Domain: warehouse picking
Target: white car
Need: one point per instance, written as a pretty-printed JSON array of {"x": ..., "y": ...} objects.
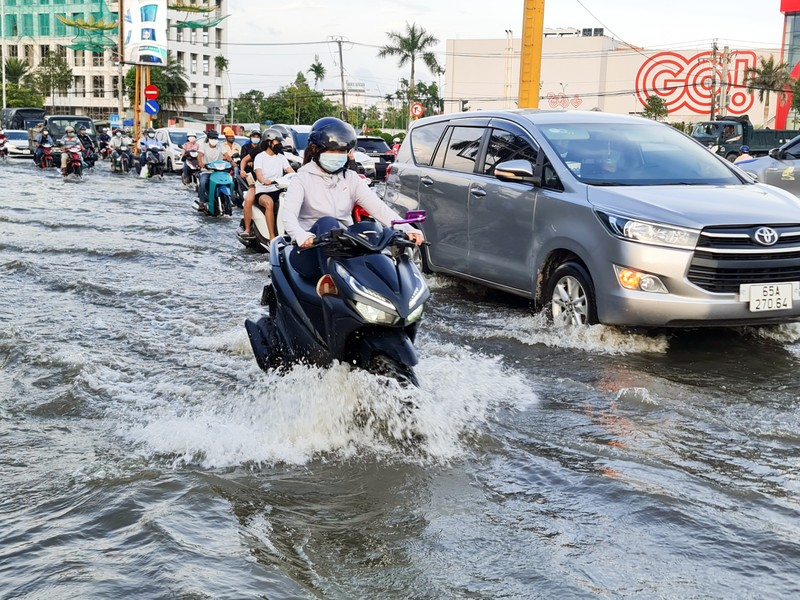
[
  {"x": 18, "y": 143},
  {"x": 175, "y": 137}
]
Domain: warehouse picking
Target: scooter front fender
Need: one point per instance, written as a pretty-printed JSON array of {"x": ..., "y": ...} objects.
[{"x": 395, "y": 343}]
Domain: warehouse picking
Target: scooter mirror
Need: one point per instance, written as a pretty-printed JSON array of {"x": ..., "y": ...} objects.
[{"x": 412, "y": 216}]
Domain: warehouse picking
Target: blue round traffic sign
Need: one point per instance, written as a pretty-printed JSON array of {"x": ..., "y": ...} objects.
[{"x": 151, "y": 107}]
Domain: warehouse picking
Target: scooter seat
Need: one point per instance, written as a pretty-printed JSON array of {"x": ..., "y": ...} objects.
[{"x": 305, "y": 288}]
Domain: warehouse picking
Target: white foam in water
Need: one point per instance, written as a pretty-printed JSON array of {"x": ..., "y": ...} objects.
[
  {"x": 786, "y": 333},
  {"x": 310, "y": 412},
  {"x": 535, "y": 329}
]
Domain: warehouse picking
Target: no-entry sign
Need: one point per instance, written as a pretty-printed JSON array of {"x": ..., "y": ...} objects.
[{"x": 150, "y": 92}]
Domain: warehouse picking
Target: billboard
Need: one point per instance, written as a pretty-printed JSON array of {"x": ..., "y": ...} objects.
[{"x": 145, "y": 32}]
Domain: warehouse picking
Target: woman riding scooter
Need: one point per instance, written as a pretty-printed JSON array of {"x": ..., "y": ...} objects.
[{"x": 322, "y": 195}]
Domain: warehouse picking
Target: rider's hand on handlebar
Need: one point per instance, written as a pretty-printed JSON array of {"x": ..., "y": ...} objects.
[
  {"x": 416, "y": 237},
  {"x": 308, "y": 243}
]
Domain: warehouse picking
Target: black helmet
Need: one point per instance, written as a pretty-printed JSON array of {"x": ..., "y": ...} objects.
[
  {"x": 82, "y": 128},
  {"x": 330, "y": 133},
  {"x": 255, "y": 132},
  {"x": 212, "y": 134},
  {"x": 272, "y": 134},
  {"x": 150, "y": 130}
]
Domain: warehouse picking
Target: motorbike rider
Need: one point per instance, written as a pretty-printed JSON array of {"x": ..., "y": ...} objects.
[
  {"x": 191, "y": 144},
  {"x": 250, "y": 150},
  {"x": 44, "y": 137},
  {"x": 209, "y": 152},
  {"x": 269, "y": 164},
  {"x": 149, "y": 142},
  {"x": 396, "y": 145},
  {"x": 322, "y": 195},
  {"x": 744, "y": 154},
  {"x": 88, "y": 145},
  {"x": 230, "y": 146},
  {"x": 119, "y": 140},
  {"x": 68, "y": 141}
]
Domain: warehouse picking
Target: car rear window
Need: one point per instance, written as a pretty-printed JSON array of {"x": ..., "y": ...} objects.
[
  {"x": 424, "y": 140},
  {"x": 373, "y": 145}
]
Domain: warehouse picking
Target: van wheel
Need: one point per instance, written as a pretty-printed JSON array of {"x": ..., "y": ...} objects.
[{"x": 569, "y": 299}]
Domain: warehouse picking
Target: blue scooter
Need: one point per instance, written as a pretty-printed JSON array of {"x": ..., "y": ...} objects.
[
  {"x": 220, "y": 190},
  {"x": 365, "y": 311}
]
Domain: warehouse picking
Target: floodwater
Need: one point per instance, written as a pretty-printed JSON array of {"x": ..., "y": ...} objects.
[{"x": 144, "y": 455}]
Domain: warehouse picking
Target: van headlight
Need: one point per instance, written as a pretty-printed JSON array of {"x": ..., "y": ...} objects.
[{"x": 649, "y": 233}]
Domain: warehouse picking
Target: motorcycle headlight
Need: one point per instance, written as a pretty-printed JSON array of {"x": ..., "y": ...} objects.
[
  {"x": 649, "y": 233},
  {"x": 415, "y": 314},
  {"x": 375, "y": 315}
]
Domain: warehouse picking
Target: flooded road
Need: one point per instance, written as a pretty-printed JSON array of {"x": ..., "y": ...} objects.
[{"x": 143, "y": 454}]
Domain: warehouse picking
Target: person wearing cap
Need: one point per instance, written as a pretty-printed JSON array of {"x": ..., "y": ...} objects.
[
  {"x": 191, "y": 144},
  {"x": 44, "y": 137},
  {"x": 322, "y": 195},
  {"x": 250, "y": 150},
  {"x": 68, "y": 141},
  {"x": 744, "y": 154},
  {"x": 149, "y": 142},
  {"x": 230, "y": 146},
  {"x": 209, "y": 152}
]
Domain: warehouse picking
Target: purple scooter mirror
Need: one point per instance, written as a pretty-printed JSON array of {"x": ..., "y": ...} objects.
[{"x": 412, "y": 216}]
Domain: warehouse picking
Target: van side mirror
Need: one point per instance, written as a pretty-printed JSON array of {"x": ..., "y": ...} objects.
[
  {"x": 519, "y": 171},
  {"x": 776, "y": 153}
]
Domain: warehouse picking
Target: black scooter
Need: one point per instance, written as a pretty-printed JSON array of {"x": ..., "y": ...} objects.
[{"x": 365, "y": 311}]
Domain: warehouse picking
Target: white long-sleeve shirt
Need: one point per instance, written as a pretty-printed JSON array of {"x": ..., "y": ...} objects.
[{"x": 315, "y": 193}]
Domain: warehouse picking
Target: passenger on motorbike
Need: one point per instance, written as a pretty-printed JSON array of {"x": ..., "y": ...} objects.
[
  {"x": 69, "y": 140},
  {"x": 269, "y": 165},
  {"x": 250, "y": 150},
  {"x": 43, "y": 138},
  {"x": 149, "y": 142},
  {"x": 88, "y": 145},
  {"x": 322, "y": 195},
  {"x": 209, "y": 152},
  {"x": 189, "y": 145},
  {"x": 119, "y": 140}
]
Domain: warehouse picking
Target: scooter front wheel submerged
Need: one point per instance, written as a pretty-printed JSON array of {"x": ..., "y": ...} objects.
[{"x": 386, "y": 366}]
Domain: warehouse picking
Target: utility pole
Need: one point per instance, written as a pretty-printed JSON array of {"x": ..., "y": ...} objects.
[
  {"x": 121, "y": 59},
  {"x": 530, "y": 69},
  {"x": 723, "y": 84},
  {"x": 3, "y": 58},
  {"x": 713, "y": 79},
  {"x": 341, "y": 75}
]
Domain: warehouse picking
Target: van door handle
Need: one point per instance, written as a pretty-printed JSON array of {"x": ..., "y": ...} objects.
[
  {"x": 426, "y": 180},
  {"x": 478, "y": 192}
]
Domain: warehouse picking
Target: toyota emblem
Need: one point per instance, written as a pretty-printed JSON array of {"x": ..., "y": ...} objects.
[{"x": 766, "y": 236}]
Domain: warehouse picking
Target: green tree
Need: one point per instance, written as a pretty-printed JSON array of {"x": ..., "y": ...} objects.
[
  {"x": 16, "y": 69},
  {"x": 414, "y": 45},
  {"x": 298, "y": 103},
  {"x": 317, "y": 70},
  {"x": 655, "y": 108},
  {"x": 428, "y": 95},
  {"x": 171, "y": 82},
  {"x": 18, "y": 96},
  {"x": 767, "y": 77},
  {"x": 222, "y": 65},
  {"x": 53, "y": 73},
  {"x": 249, "y": 107}
]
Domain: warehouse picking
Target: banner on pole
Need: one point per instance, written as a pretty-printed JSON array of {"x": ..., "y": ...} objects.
[{"x": 145, "y": 32}]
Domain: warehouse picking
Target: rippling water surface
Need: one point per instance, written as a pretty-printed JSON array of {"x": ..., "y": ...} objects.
[{"x": 144, "y": 455}]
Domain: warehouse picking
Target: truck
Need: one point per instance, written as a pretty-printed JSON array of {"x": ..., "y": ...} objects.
[
  {"x": 22, "y": 117},
  {"x": 727, "y": 134}
]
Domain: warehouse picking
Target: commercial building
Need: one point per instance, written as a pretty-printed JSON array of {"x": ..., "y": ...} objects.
[
  {"x": 32, "y": 29},
  {"x": 583, "y": 69}
]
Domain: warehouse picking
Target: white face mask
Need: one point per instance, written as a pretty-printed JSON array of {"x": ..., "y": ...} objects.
[
  {"x": 151, "y": 135},
  {"x": 212, "y": 143},
  {"x": 192, "y": 139},
  {"x": 118, "y": 134}
]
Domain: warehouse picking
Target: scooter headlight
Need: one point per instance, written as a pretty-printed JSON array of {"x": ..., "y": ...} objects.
[
  {"x": 360, "y": 290},
  {"x": 415, "y": 314},
  {"x": 375, "y": 315}
]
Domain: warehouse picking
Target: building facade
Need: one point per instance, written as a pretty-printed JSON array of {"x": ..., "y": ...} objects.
[
  {"x": 583, "y": 69},
  {"x": 31, "y": 30}
]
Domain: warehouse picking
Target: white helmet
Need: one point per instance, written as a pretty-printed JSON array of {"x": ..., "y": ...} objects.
[
  {"x": 191, "y": 134},
  {"x": 396, "y": 140}
]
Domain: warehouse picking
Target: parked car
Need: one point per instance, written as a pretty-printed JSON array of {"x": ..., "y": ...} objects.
[
  {"x": 175, "y": 137},
  {"x": 377, "y": 149},
  {"x": 600, "y": 218},
  {"x": 780, "y": 168},
  {"x": 18, "y": 143}
]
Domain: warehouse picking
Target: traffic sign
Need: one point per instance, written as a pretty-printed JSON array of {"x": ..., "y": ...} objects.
[
  {"x": 417, "y": 109},
  {"x": 114, "y": 121},
  {"x": 151, "y": 107},
  {"x": 150, "y": 92}
]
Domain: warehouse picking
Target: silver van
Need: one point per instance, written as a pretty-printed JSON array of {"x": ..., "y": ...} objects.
[{"x": 600, "y": 218}]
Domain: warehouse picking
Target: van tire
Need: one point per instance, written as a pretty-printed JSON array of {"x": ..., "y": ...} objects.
[{"x": 575, "y": 298}]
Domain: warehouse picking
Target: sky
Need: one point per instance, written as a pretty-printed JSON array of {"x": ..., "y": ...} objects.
[{"x": 652, "y": 24}]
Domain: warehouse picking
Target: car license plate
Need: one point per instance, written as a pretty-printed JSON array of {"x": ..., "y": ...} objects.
[{"x": 768, "y": 296}]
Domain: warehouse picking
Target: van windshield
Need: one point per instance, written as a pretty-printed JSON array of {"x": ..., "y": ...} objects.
[
  {"x": 636, "y": 154},
  {"x": 57, "y": 125}
]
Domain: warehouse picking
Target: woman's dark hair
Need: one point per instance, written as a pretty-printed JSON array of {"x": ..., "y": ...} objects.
[
  {"x": 311, "y": 153},
  {"x": 265, "y": 142}
]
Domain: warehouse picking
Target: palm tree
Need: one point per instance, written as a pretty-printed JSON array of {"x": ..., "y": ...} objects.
[
  {"x": 765, "y": 78},
  {"x": 414, "y": 45},
  {"x": 221, "y": 64},
  {"x": 317, "y": 70},
  {"x": 16, "y": 69}
]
